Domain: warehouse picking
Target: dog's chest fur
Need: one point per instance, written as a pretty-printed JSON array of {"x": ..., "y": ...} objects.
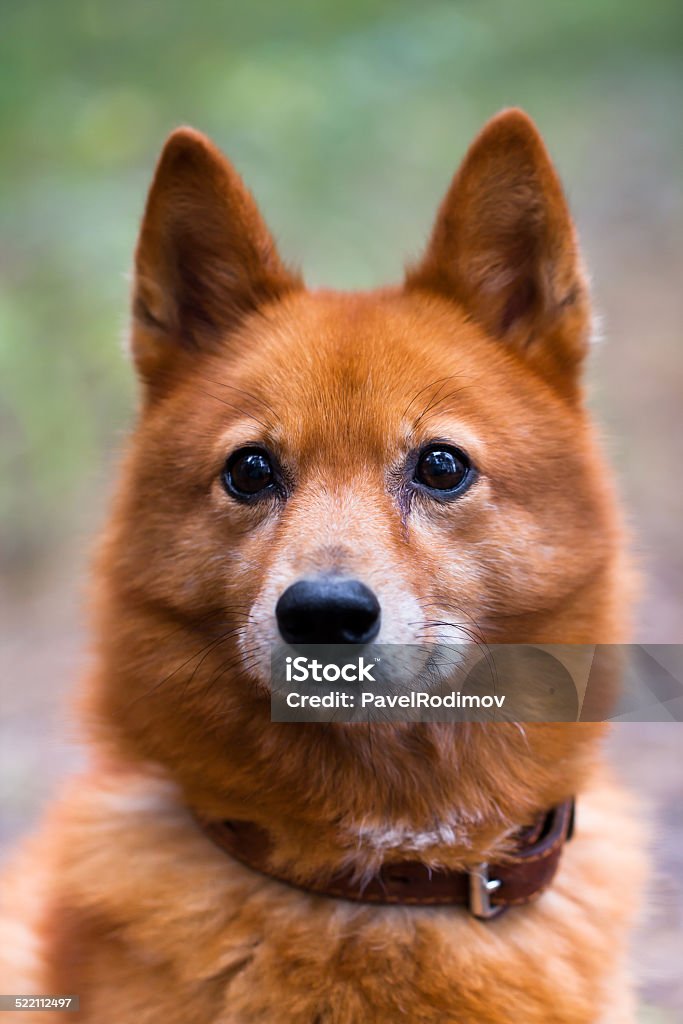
[{"x": 163, "y": 920}]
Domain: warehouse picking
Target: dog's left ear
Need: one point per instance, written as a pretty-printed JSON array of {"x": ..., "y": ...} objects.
[{"x": 504, "y": 247}]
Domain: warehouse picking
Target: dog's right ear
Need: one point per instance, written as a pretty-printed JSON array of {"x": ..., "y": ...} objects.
[{"x": 204, "y": 258}]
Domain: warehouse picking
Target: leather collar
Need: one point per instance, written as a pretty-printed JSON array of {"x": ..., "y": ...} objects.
[{"x": 486, "y": 890}]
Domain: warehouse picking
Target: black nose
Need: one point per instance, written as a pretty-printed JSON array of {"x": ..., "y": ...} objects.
[{"x": 328, "y": 610}]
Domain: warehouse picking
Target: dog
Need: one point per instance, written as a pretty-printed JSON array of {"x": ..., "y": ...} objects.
[{"x": 413, "y": 463}]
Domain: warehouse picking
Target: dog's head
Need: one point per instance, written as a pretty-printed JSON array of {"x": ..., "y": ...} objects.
[{"x": 405, "y": 465}]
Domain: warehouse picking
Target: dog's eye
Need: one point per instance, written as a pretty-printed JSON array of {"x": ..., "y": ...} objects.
[
  {"x": 248, "y": 472},
  {"x": 444, "y": 469}
]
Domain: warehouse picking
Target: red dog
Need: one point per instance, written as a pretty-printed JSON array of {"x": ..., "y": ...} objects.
[{"x": 412, "y": 463}]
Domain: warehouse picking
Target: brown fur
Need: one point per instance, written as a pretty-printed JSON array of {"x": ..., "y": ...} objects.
[{"x": 482, "y": 345}]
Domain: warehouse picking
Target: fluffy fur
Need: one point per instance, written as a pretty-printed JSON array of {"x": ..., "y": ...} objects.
[{"x": 120, "y": 897}]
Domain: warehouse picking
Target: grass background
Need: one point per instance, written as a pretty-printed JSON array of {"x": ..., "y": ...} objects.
[{"x": 347, "y": 120}]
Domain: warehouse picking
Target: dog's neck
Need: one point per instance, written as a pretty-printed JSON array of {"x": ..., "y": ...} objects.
[{"x": 434, "y": 793}]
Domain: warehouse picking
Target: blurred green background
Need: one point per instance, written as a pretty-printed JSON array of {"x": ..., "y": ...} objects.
[{"x": 347, "y": 120}]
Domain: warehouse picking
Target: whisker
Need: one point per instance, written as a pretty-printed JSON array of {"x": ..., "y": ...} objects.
[
  {"x": 235, "y": 407},
  {"x": 215, "y": 642},
  {"x": 435, "y": 403},
  {"x": 426, "y": 388},
  {"x": 247, "y": 394}
]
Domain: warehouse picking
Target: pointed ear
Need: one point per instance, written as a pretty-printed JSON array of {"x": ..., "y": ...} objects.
[
  {"x": 204, "y": 256},
  {"x": 505, "y": 248}
]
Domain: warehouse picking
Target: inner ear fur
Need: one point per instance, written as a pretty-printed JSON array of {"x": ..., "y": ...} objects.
[
  {"x": 204, "y": 257},
  {"x": 505, "y": 248}
]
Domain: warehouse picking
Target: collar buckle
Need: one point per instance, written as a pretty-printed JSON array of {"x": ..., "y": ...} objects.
[{"x": 482, "y": 888}]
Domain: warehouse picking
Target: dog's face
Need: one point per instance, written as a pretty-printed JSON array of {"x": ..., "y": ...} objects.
[
  {"x": 363, "y": 468},
  {"x": 406, "y": 465}
]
